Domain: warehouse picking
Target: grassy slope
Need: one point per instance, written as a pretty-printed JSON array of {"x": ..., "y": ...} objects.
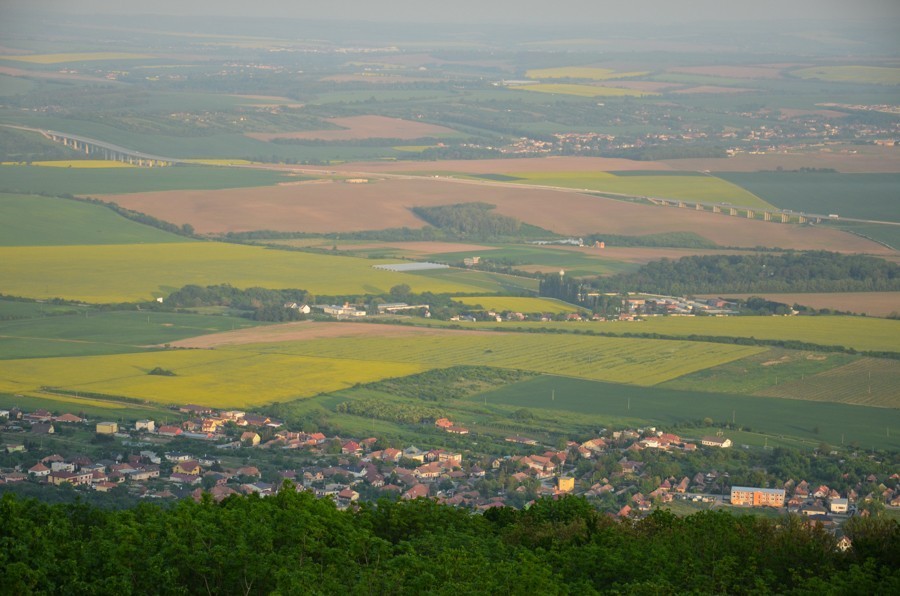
[{"x": 45, "y": 221}]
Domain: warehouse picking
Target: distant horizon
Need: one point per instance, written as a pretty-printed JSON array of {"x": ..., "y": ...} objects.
[{"x": 484, "y": 12}]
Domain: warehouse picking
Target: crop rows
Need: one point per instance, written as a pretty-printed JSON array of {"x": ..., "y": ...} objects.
[{"x": 867, "y": 382}]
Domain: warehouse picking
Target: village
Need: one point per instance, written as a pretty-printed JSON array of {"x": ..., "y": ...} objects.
[{"x": 222, "y": 453}]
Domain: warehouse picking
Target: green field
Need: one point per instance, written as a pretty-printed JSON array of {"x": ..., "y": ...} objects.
[
  {"x": 523, "y": 305},
  {"x": 523, "y": 256},
  {"x": 760, "y": 372},
  {"x": 582, "y": 90},
  {"x": 816, "y": 422},
  {"x": 867, "y": 382},
  {"x": 96, "y": 409},
  {"x": 44, "y": 221},
  {"x": 41, "y": 334},
  {"x": 889, "y": 235},
  {"x": 707, "y": 189},
  {"x": 861, "y": 196},
  {"x": 878, "y": 75},
  {"x": 95, "y": 181},
  {"x": 139, "y": 272},
  {"x": 477, "y": 282}
]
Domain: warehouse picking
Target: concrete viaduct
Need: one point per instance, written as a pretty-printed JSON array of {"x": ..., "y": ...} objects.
[{"x": 108, "y": 150}]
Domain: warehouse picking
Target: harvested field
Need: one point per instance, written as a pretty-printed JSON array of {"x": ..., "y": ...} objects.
[
  {"x": 862, "y": 160},
  {"x": 874, "y": 304},
  {"x": 385, "y": 204},
  {"x": 363, "y": 127},
  {"x": 307, "y": 331},
  {"x": 735, "y": 72}
]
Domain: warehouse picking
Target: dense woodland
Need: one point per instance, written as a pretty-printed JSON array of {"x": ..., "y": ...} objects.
[
  {"x": 295, "y": 543},
  {"x": 817, "y": 271}
]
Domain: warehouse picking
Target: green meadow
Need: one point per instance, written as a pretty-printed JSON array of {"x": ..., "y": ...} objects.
[
  {"x": 861, "y": 196},
  {"x": 813, "y": 421},
  {"x": 98, "y": 181},
  {"x": 33, "y": 220},
  {"x": 90, "y": 332}
]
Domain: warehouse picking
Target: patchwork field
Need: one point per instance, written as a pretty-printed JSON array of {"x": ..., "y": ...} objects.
[
  {"x": 815, "y": 422},
  {"x": 324, "y": 208},
  {"x": 364, "y": 127},
  {"x": 867, "y": 382},
  {"x": 708, "y": 189},
  {"x": 732, "y": 71},
  {"x": 34, "y": 220},
  {"x": 638, "y": 362},
  {"x": 119, "y": 273}
]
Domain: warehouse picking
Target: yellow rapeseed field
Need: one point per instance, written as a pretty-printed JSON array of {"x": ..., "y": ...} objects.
[
  {"x": 619, "y": 360},
  {"x": 120, "y": 273},
  {"x": 219, "y": 378}
]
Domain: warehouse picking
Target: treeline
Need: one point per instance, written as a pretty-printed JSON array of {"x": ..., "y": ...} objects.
[
  {"x": 668, "y": 239},
  {"x": 293, "y": 543},
  {"x": 469, "y": 220},
  {"x": 816, "y": 271},
  {"x": 261, "y": 303}
]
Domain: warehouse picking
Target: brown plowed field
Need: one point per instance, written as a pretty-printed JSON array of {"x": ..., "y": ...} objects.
[
  {"x": 875, "y": 304},
  {"x": 362, "y": 127},
  {"x": 385, "y": 204},
  {"x": 309, "y": 330},
  {"x": 866, "y": 160}
]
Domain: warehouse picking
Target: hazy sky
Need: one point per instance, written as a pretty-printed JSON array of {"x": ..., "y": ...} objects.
[{"x": 487, "y": 11}]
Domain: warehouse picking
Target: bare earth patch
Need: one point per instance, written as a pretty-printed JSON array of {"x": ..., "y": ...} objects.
[
  {"x": 386, "y": 204},
  {"x": 308, "y": 330},
  {"x": 788, "y": 113},
  {"x": 362, "y": 127},
  {"x": 856, "y": 160},
  {"x": 874, "y": 304}
]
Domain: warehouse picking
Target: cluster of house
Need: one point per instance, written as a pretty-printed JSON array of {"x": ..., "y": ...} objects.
[{"x": 347, "y": 469}]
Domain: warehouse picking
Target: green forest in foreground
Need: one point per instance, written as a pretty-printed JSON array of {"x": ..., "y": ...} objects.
[{"x": 293, "y": 543}]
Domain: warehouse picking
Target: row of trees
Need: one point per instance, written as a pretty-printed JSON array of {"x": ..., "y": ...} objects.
[
  {"x": 815, "y": 271},
  {"x": 295, "y": 543}
]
